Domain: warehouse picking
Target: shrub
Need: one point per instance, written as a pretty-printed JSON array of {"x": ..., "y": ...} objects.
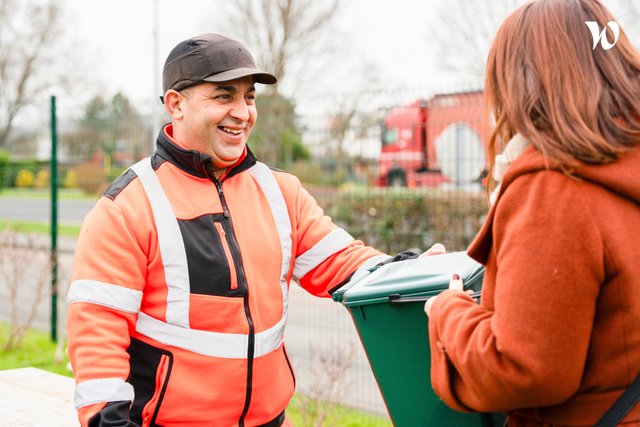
[
  {"x": 91, "y": 178},
  {"x": 312, "y": 173},
  {"x": 114, "y": 173},
  {"x": 41, "y": 179},
  {"x": 24, "y": 179},
  {"x": 16, "y": 166},
  {"x": 19, "y": 253},
  {"x": 394, "y": 220},
  {"x": 70, "y": 179}
]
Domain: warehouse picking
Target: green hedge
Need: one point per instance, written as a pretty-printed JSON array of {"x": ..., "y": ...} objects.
[
  {"x": 5, "y": 160},
  {"x": 394, "y": 220},
  {"x": 9, "y": 170}
]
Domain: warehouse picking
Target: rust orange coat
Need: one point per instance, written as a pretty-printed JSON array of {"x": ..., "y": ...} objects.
[{"x": 556, "y": 338}]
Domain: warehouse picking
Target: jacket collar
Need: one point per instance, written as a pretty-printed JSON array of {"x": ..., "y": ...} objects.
[{"x": 193, "y": 162}]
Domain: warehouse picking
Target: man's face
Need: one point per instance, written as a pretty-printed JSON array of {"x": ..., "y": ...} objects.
[{"x": 218, "y": 118}]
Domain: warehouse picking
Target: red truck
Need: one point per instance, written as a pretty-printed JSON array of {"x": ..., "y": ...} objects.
[{"x": 436, "y": 142}]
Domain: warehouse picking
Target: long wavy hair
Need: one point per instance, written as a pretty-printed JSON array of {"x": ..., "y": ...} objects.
[{"x": 545, "y": 81}]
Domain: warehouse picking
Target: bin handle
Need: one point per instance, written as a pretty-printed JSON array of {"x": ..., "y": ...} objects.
[{"x": 400, "y": 299}]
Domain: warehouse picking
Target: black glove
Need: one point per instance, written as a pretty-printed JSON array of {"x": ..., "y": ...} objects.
[{"x": 115, "y": 414}]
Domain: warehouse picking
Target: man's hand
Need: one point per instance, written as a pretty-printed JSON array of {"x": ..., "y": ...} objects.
[{"x": 436, "y": 249}]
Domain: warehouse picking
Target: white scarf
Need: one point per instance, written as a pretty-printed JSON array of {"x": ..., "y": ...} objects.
[{"x": 512, "y": 150}]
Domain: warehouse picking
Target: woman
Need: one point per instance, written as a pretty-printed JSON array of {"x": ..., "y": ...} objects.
[{"x": 556, "y": 338}]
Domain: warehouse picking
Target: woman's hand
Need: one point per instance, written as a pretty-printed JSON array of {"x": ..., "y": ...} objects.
[{"x": 454, "y": 283}]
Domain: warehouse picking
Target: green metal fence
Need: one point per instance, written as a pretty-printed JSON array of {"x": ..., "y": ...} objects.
[{"x": 335, "y": 153}]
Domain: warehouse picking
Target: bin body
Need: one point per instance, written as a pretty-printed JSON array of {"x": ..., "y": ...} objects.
[{"x": 395, "y": 335}]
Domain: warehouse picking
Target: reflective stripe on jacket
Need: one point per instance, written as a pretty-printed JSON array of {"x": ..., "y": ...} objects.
[{"x": 179, "y": 295}]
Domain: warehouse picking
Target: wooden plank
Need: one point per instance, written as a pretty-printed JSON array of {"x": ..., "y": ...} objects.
[{"x": 31, "y": 397}]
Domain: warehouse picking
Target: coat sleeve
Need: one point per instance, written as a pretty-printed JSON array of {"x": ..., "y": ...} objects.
[
  {"x": 327, "y": 257},
  {"x": 530, "y": 348},
  {"x": 104, "y": 299}
]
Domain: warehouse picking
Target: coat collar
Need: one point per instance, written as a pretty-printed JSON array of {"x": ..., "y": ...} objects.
[
  {"x": 619, "y": 177},
  {"x": 521, "y": 163},
  {"x": 193, "y": 162}
]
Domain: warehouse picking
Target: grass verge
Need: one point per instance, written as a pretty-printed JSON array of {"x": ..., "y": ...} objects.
[
  {"x": 338, "y": 415},
  {"x": 36, "y": 351},
  {"x": 45, "y": 193},
  {"x": 39, "y": 228}
]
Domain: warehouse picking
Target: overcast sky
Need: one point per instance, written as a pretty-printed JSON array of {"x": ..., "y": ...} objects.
[
  {"x": 116, "y": 42},
  {"x": 118, "y": 35}
]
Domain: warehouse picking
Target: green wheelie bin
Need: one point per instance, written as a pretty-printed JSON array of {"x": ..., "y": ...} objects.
[{"x": 387, "y": 307}]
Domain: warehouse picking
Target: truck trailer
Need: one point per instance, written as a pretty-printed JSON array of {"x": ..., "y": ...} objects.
[{"x": 439, "y": 142}]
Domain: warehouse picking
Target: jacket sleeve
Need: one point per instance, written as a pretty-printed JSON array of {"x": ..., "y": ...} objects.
[
  {"x": 104, "y": 299},
  {"x": 327, "y": 257},
  {"x": 528, "y": 346}
]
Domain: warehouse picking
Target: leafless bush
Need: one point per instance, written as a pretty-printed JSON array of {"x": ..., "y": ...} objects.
[
  {"x": 329, "y": 384},
  {"x": 24, "y": 275}
]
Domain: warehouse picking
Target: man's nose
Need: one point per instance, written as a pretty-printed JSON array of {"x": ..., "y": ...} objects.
[{"x": 240, "y": 111}]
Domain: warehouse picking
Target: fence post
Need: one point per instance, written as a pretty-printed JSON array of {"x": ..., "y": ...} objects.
[{"x": 54, "y": 221}]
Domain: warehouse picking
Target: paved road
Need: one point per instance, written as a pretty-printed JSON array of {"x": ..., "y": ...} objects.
[
  {"x": 319, "y": 336},
  {"x": 70, "y": 212}
]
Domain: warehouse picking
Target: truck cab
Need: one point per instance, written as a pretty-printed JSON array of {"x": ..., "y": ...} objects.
[
  {"x": 436, "y": 143},
  {"x": 403, "y": 144}
]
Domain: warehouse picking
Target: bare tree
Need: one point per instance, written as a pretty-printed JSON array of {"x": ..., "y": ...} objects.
[
  {"x": 286, "y": 36},
  {"x": 628, "y": 14},
  {"x": 28, "y": 33},
  {"x": 346, "y": 110},
  {"x": 283, "y": 34},
  {"x": 463, "y": 32},
  {"x": 109, "y": 126},
  {"x": 276, "y": 137},
  {"x": 354, "y": 123}
]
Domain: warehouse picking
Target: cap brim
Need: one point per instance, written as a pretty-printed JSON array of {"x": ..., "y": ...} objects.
[{"x": 236, "y": 73}]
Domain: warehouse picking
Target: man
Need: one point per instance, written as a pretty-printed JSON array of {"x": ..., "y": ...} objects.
[{"x": 178, "y": 302}]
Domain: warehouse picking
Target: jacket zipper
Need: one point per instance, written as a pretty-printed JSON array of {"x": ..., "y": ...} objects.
[
  {"x": 151, "y": 406},
  {"x": 242, "y": 281},
  {"x": 227, "y": 252},
  {"x": 225, "y": 209}
]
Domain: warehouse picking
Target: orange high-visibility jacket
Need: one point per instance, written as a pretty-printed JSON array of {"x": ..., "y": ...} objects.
[{"x": 178, "y": 300}]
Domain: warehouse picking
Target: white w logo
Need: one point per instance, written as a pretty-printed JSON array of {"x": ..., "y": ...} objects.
[{"x": 602, "y": 36}]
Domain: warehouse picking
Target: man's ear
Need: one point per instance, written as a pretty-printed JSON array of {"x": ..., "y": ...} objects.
[{"x": 173, "y": 104}]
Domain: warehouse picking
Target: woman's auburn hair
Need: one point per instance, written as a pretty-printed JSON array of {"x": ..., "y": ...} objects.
[{"x": 545, "y": 81}]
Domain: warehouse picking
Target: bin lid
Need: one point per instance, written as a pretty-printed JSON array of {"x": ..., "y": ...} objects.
[{"x": 414, "y": 277}]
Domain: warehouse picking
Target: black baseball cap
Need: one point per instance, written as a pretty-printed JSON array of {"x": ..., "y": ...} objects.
[{"x": 210, "y": 58}]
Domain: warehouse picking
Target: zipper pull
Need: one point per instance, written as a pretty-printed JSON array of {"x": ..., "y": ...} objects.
[{"x": 225, "y": 210}]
